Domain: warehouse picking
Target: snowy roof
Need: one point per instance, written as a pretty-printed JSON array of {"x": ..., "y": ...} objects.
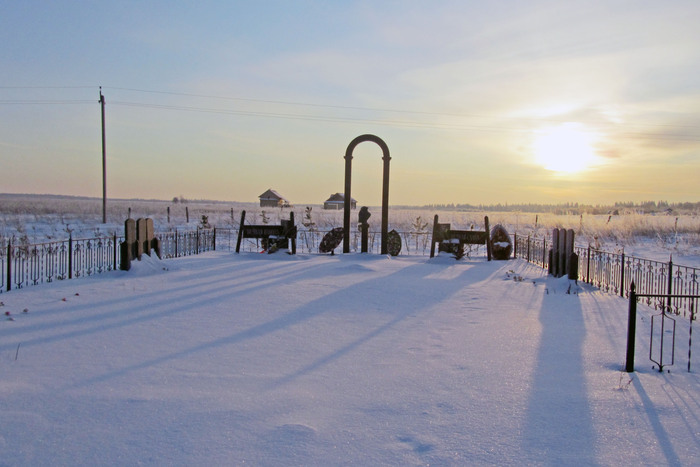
[
  {"x": 338, "y": 198},
  {"x": 272, "y": 194}
]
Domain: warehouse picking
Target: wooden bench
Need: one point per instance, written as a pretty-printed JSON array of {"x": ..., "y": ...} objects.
[
  {"x": 273, "y": 236},
  {"x": 453, "y": 241}
]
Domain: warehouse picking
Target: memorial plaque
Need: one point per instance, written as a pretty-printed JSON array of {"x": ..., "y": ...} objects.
[{"x": 471, "y": 237}]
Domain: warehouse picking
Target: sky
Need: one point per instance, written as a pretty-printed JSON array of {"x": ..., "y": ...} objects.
[{"x": 478, "y": 102}]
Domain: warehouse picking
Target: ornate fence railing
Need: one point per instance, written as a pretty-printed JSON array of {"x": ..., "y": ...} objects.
[
  {"x": 615, "y": 272},
  {"x": 24, "y": 264},
  {"x": 175, "y": 244},
  {"x": 32, "y": 264}
]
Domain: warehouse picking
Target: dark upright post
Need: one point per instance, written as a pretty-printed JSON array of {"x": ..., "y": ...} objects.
[
  {"x": 528, "y": 248},
  {"x": 348, "y": 199},
  {"x": 622, "y": 274},
  {"x": 433, "y": 238},
  {"x": 588, "y": 265},
  {"x": 573, "y": 267},
  {"x": 631, "y": 329},
  {"x": 554, "y": 254},
  {"x": 385, "y": 199},
  {"x": 104, "y": 161},
  {"x": 561, "y": 267},
  {"x": 141, "y": 241},
  {"x": 9, "y": 265},
  {"x": 364, "y": 227},
  {"x": 544, "y": 252},
  {"x": 128, "y": 245},
  {"x": 670, "y": 283},
  {"x": 488, "y": 237},
  {"x": 240, "y": 232},
  {"x": 365, "y": 238},
  {"x": 70, "y": 256},
  {"x": 569, "y": 251},
  {"x": 293, "y": 233}
]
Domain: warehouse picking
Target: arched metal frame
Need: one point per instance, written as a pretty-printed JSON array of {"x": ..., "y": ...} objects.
[{"x": 348, "y": 185}]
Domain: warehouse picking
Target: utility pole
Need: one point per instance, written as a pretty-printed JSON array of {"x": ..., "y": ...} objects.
[{"x": 104, "y": 161}]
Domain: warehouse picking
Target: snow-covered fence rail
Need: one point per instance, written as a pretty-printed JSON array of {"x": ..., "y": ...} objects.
[{"x": 615, "y": 272}]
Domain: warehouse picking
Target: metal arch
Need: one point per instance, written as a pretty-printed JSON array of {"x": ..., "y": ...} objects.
[{"x": 348, "y": 185}]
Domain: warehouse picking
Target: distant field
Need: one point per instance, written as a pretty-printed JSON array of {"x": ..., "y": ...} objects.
[{"x": 41, "y": 218}]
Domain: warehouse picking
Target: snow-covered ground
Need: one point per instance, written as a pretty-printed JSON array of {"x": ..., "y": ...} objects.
[{"x": 250, "y": 359}]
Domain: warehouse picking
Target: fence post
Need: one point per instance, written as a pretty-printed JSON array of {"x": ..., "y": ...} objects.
[
  {"x": 240, "y": 232},
  {"x": 528, "y": 248},
  {"x": 115, "y": 240},
  {"x": 670, "y": 283},
  {"x": 70, "y": 256},
  {"x": 9, "y": 265},
  {"x": 197, "y": 238},
  {"x": 690, "y": 332},
  {"x": 631, "y": 329},
  {"x": 175, "y": 244},
  {"x": 544, "y": 252},
  {"x": 588, "y": 265},
  {"x": 213, "y": 240},
  {"x": 622, "y": 275},
  {"x": 515, "y": 244}
]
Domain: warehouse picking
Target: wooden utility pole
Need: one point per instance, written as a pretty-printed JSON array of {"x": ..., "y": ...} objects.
[{"x": 104, "y": 161}]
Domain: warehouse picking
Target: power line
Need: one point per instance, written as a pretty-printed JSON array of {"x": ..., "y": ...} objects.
[
  {"x": 46, "y": 102},
  {"x": 396, "y": 123},
  {"x": 313, "y": 117},
  {"x": 292, "y": 103},
  {"x": 402, "y": 111},
  {"x": 521, "y": 124},
  {"x": 48, "y": 87}
]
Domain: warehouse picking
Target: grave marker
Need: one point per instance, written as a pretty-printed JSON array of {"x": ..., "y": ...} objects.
[{"x": 562, "y": 259}]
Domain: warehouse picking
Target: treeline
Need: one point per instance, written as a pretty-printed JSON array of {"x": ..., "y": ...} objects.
[{"x": 644, "y": 207}]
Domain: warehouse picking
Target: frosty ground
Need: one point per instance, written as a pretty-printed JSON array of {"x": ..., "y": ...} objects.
[{"x": 226, "y": 359}]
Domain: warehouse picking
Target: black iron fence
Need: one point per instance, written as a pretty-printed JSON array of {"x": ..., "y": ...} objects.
[
  {"x": 26, "y": 264},
  {"x": 175, "y": 244},
  {"x": 23, "y": 264},
  {"x": 614, "y": 273}
]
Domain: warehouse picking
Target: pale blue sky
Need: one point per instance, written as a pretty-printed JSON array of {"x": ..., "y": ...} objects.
[{"x": 223, "y": 100}]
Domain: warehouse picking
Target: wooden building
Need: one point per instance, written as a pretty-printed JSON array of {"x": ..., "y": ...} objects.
[
  {"x": 272, "y": 199},
  {"x": 337, "y": 201}
]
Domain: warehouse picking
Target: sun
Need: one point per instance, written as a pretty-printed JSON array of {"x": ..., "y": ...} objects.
[{"x": 564, "y": 149}]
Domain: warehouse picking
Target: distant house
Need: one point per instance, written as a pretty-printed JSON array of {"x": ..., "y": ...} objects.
[
  {"x": 272, "y": 199},
  {"x": 337, "y": 201}
]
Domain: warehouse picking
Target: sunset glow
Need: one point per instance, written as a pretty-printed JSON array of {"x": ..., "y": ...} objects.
[
  {"x": 564, "y": 149},
  {"x": 478, "y": 102}
]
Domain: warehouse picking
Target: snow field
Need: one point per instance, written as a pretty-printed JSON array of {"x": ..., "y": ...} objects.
[{"x": 225, "y": 359}]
